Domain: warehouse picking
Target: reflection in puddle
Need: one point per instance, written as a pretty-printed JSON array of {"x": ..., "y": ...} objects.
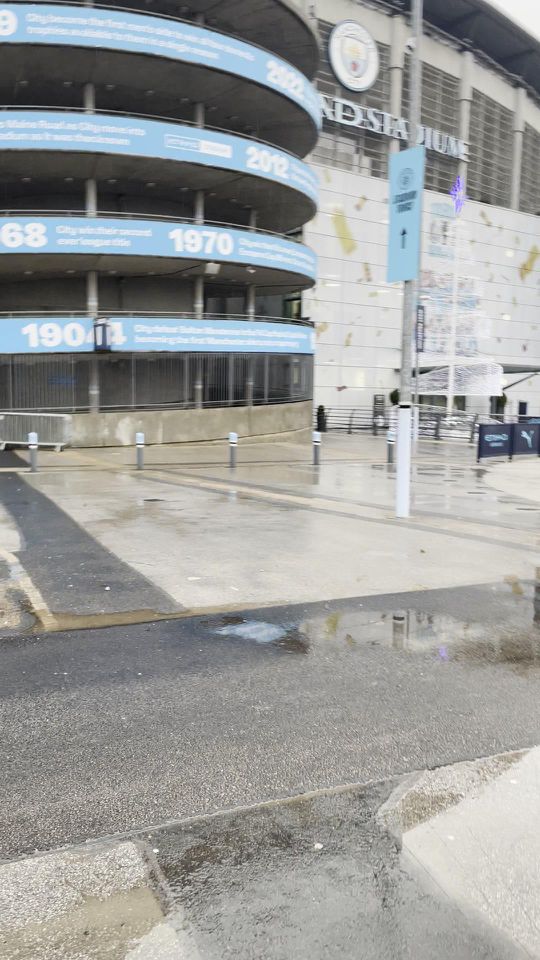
[{"x": 438, "y": 636}]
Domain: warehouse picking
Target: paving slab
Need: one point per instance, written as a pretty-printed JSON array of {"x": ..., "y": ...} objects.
[
  {"x": 96, "y": 903},
  {"x": 483, "y": 852}
]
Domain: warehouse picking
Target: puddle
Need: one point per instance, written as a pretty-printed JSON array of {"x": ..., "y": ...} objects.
[
  {"x": 407, "y": 632},
  {"x": 440, "y": 637}
]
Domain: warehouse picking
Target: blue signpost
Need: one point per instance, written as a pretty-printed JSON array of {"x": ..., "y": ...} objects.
[
  {"x": 405, "y": 221},
  {"x": 404, "y": 242}
]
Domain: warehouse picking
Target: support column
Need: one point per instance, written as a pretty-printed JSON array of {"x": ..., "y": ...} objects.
[
  {"x": 250, "y": 300},
  {"x": 517, "y": 152},
  {"x": 397, "y": 60},
  {"x": 198, "y": 297},
  {"x": 199, "y": 115},
  {"x": 92, "y": 311},
  {"x": 92, "y": 306},
  {"x": 465, "y": 100},
  {"x": 198, "y": 210},
  {"x": 91, "y": 198},
  {"x": 199, "y": 120},
  {"x": 89, "y": 104},
  {"x": 89, "y": 98}
]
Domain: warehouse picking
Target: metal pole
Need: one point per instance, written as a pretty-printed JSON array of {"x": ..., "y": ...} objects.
[
  {"x": 453, "y": 328},
  {"x": 33, "y": 448},
  {"x": 416, "y": 365},
  {"x": 403, "y": 473},
  {"x": 233, "y": 447},
  {"x": 316, "y": 448},
  {"x": 139, "y": 441}
]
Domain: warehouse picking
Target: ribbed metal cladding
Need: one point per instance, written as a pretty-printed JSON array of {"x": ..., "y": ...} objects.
[
  {"x": 440, "y": 110},
  {"x": 489, "y": 177},
  {"x": 530, "y": 172}
]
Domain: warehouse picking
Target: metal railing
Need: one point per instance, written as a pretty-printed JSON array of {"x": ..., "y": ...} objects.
[
  {"x": 433, "y": 424},
  {"x": 130, "y": 381},
  {"x": 53, "y": 429}
]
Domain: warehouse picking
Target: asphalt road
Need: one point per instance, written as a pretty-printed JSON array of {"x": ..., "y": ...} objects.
[
  {"x": 112, "y": 729},
  {"x": 70, "y": 566}
]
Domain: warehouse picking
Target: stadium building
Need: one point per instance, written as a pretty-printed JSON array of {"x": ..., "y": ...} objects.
[
  {"x": 480, "y": 273},
  {"x": 153, "y": 192}
]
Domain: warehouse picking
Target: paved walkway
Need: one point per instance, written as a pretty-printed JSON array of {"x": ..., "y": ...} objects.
[
  {"x": 349, "y": 679},
  {"x": 188, "y": 534}
]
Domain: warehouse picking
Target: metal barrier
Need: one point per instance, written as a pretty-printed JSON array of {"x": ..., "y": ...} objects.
[
  {"x": 433, "y": 423},
  {"x": 53, "y": 429},
  {"x": 130, "y": 381}
]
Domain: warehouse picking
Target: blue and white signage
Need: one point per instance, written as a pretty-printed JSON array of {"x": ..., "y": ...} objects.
[
  {"x": 137, "y": 33},
  {"x": 153, "y": 238},
  {"x": 405, "y": 202},
  {"x": 76, "y": 335},
  {"x": 526, "y": 439},
  {"x": 128, "y": 136},
  {"x": 494, "y": 440}
]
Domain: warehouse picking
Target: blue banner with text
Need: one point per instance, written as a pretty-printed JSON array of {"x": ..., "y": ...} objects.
[
  {"x": 134, "y": 137},
  {"x": 129, "y": 334},
  {"x": 184, "y": 42}
]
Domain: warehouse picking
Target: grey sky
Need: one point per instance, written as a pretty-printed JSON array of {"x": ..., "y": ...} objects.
[{"x": 524, "y": 12}]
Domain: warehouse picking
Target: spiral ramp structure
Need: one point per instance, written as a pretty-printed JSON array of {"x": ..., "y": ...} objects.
[{"x": 153, "y": 183}]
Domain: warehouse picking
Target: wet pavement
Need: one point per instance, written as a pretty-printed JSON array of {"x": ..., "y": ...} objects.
[
  {"x": 310, "y": 878},
  {"x": 280, "y": 635},
  {"x": 105, "y": 544},
  {"x": 313, "y": 878},
  {"x": 110, "y": 728},
  {"x": 68, "y": 563}
]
